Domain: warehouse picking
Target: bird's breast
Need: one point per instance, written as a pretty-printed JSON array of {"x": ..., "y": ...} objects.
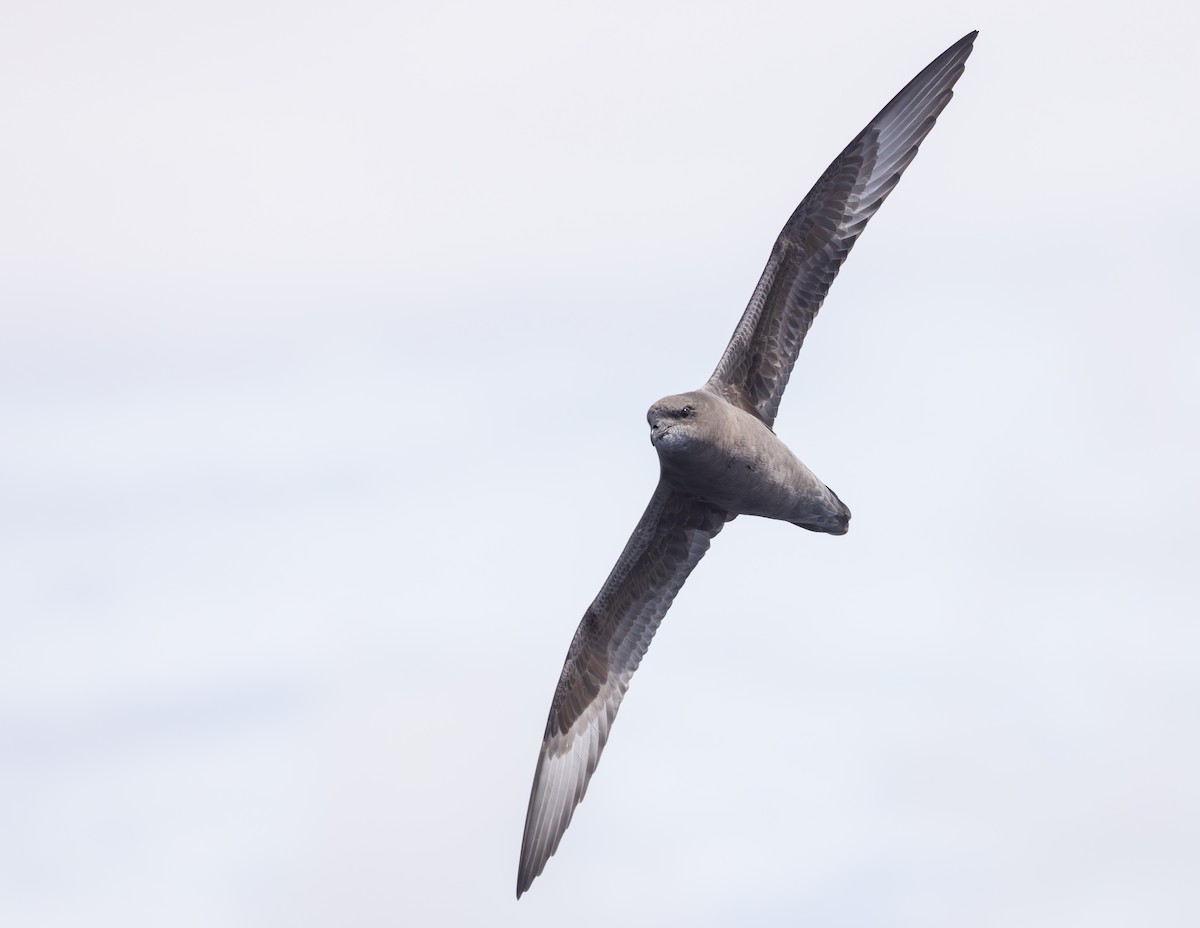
[{"x": 736, "y": 463}]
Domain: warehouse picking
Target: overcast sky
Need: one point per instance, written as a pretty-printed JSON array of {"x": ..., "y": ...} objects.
[{"x": 326, "y": 337}]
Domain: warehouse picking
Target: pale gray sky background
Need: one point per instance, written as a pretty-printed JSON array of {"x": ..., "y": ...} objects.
[{"x": 326, "y": 335}]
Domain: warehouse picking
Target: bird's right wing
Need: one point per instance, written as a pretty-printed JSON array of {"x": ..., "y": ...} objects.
[
  {"x": 756, "y": 365},
  {"x": 672, "y": 536}
]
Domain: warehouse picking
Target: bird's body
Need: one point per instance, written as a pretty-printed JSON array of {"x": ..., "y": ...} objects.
[
  {"x": 719, "y": 455},
  {"x": 724, "y": 456}
]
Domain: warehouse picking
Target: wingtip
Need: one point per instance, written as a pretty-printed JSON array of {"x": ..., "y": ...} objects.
[
  {"x": 967, "y": 42},
  {"x": 524, "y": 880}
]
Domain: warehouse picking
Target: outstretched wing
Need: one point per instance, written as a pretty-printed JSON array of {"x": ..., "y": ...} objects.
[
  {"x": 672, "y": 536},
  {"x": 756, "y": 365}
]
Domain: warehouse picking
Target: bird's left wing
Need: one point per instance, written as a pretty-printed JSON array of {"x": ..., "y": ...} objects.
[
  {"x": 757, "y": 363},
  {"x": 672, "y": 536}
]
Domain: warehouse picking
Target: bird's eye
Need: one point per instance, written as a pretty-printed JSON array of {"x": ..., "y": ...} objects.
[{"x": 685, "y": 412}]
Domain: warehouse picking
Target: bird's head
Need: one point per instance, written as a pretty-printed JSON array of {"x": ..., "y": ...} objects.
[{"x": 674, "y": 420}]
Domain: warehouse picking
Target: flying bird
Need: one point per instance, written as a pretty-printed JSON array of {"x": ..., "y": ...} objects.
[{"x": 719, "y": 456}]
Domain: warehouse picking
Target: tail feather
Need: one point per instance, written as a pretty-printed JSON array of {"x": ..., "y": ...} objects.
[{"x": 834, "y": 519}]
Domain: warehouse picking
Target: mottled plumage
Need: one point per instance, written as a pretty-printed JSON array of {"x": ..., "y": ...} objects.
[{"x": 719, "y": 457}]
